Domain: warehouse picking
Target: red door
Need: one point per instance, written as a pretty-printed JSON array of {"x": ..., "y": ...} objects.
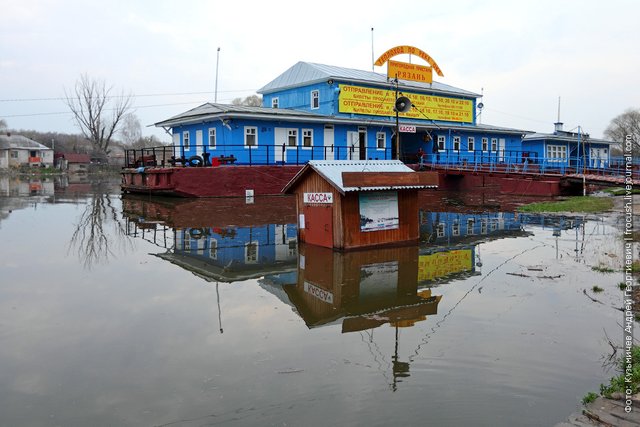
[{"x": 319, "y": 225}]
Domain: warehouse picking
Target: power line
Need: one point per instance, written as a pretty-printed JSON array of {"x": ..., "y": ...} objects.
[
  {"x": 106, "y": 109},
  {"x": 126, "y": 96}
]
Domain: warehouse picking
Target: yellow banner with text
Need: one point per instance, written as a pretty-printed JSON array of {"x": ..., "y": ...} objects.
[
  {"x": 380, "y": 102},
  {"x": 441, "y": 264}
]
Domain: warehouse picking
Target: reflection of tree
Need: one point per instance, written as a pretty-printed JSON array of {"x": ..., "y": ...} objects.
[{"x": 92, "y": 238}]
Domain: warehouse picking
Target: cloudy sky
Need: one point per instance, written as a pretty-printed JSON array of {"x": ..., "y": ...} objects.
[{"x": 522, "y": 54}]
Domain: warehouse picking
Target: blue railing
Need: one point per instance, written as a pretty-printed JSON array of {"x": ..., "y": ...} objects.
[
  {"x": 527, "y": 162},
  {"x": 203, "y": 155}
]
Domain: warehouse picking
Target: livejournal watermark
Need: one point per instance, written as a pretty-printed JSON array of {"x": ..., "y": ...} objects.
[{"x": 628, "y": 271}]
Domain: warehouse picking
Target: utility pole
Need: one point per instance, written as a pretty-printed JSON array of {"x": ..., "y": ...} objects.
[{"x": 217, "y": 62}]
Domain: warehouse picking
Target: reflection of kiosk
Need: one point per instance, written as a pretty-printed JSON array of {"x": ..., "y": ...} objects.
[
  {"x": 355, "y": 204},
  {"x": 366, "y": 288}
]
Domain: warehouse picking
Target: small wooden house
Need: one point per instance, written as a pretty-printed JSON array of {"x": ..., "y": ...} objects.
[{"x": 344, "y": 204}]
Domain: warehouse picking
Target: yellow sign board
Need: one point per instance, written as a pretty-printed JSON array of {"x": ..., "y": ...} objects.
[
  {"x": 413, "y": 72},
  {"x": 410, "y": 50},
  {"x": 441, "y": 264},
  {"x": 380, "y": 102}
]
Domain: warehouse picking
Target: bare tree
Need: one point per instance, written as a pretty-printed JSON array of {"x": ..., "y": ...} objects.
[
  {"x": 623, "y": 125},
  {"x": 249, "y": 101},
  {"x": 91, "y": 102},
  {"x": 3, "y": 124},
  {"x": 131, "y": 130}
]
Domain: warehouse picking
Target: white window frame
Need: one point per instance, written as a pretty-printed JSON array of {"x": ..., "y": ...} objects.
[
  {"x": 250, "y": 131},
  {"x": 456, "y": 143},
  {"x": 471, "y": 222},
  {"x": 485, "y": 144},
  {"x": 275, "y": 102},
  {"x": 471, "y": 144},
  {"x": 14, "y": 154},
  {"x": 441, "y": 229},
  {"x": 494, "y": 144},
  {"x": 186, "y": 143},
  {"x": 556, "y": 153},
  {"x": 254, "y": 259},
  {"x": 292, "y": 247},
  {"x": 186, "y": 240},
  {"x": 212, "y": 138},
  {"x": 483, "y": 226},
  {"x": 315, "y": 99},
  {"x": 381, "y": 141},
  {"x": 442, "y": 143},
  {"x": 292, "y": 133},
  {"x": 455, "y": 228},
  {"x": 307, "y": 134},
  {"x": 213, "y": 249}
]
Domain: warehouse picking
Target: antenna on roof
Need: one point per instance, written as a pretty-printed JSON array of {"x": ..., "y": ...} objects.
[
  {"x": 372, "y": 60},
  {"x": 558, "y": 110}
]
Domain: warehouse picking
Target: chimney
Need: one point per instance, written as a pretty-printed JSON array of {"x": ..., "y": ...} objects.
[{"x": 557, "y": 127}]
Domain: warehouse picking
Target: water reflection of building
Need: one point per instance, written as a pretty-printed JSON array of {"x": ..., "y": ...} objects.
[
  {"x": 455, "y": 227},
  {"x": 218, "y": 239},
  {"x": 365, "y": 289}
]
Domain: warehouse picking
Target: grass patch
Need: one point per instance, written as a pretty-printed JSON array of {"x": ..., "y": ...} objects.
[
  {"x": 622, "y": 286},
  {"x": 589, "y": 397},
  {"x": 603, "y": 269},
  {"x": 635, "y": 266},
  {"x": 620, "y": 191},
  {"x": 618, "y": 383},
  {"x": 572, "y": 204},
  {"x": 597, "y": 289}
]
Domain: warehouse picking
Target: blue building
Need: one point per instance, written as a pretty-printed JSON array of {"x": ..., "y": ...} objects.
[{"x": 316, "y": 111}]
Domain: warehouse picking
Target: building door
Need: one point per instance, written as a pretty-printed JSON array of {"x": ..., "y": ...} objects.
[
  {"x": 362, "y": 143},
  {"x": 328, "y": 142},
  {"x": 319, "y": 225},
  {"x": 280, "y": 140},
  {"x": 501, "y": 144}
]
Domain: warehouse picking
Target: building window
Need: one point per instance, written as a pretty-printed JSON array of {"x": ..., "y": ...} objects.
[
  {"x": 250, "y": 136},
  {"x": 470, "y": 144},
  {"x": 556, "y": 153},
  {"x": 185, "y": 140},
  {"x": 292, "y": 138},
  {"x": 441, "y": 142},
  {"x": 293, "y": 247},
  {"x": 315, "y": 99},
  {"x": 381, "y": 140},
  {"x": 251, "y": 253},
  {"x": 213, "y": 249},
  {"x": 456, "y": 143},
  {"x": 485, "y": 144},
  {"x": 212, "y": 137},
  {"x": 274, "y": 103},
  {"x": 455, "y": 228},
  {"x": 14, "y": 154},
  {"x": 440, "y": 230},
  {"x": 186, "y": 240},
  {"x": 307, "y": 138},
  {"x": 483, "y": 226},
  {"x": 471, "y": 222},
  {"x": 494, "y": 144}
]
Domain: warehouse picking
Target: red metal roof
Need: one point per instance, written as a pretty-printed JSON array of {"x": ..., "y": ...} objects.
[{"x": 77, "y": 158}]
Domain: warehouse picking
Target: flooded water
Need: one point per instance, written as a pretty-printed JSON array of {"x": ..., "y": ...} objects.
[{"x": 149, "y": 312}]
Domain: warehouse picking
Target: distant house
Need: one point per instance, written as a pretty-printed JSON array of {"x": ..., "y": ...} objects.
[
  {"x": 17, "y": 150},
  {"x": 565, "y": 149},
  {"x": 73, "y": 162}
]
